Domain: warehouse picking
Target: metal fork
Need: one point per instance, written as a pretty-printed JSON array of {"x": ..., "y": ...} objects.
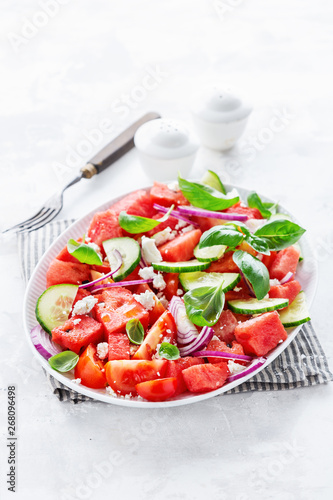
[{"x": 102, "y": 160}]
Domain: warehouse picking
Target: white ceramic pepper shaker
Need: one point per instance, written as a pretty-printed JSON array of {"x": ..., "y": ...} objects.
[
  {"x": 219, "y": 118},
  {"x": 165, "y": 147}
]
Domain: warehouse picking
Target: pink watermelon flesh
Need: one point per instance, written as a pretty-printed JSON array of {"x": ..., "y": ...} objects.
[
  {"x": 224, "y": 329},
  {"x": 261, "y": 334},
  {"x": 77, "y": 337},
  {"x": 286, "y": 261},
  {"x": 207, "y": 377},
  {"x": 119, "y": 346},
  {"x": 67, "y": 272},
  {"x": 288, "y": 291},
  {"x": 104, "y": 225},
  {"x": 137, "y": 203}
]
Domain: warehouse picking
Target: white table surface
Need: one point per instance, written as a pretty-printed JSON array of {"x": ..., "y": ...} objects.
[{"x": 58, "y": 85}]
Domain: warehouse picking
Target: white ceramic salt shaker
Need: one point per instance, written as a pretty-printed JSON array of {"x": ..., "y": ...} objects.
[
  {"x": 165, "y": 148},
  {"x": 219, "y": 118}
]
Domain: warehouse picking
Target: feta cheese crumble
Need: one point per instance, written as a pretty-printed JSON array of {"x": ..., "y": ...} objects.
[
  {"x": 150, "y": 253},
  {"x": 188, "y": 228},
  {"x": 158, "y": 282},
  {"x": 180, "y": 292},
  {"x": 84, "y": 306},
  {"x": 76, "y": 381},
  {"x": 237, "y": 289},
  {"x": 76, "y": 321},
  {"x": 146, "y": 299},
  {"x": 173, "y": 186},
  {"x": 163, "y": 236},
  {"x": 102, "y": 350},
  {"x": 235, "y": 367},
  {"x": 274, "y": 282},
  {"x": 181, "y": 223},
  {"x": 147, "y": 273}
]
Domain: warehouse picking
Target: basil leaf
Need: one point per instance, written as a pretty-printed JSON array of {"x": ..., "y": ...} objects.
[
  {"x": 64, "y": 361},
  {"x": 83, "y": 253},
  {"x": 204, "y": 304},
  {"x": 254, "y": 271},
  {"x": 254, "y": 201},
  {"x": 258, "y": 244},
  {"x": 168, "y": 351},
  {"x": 272, "y": 207},
  {"x": 135, "y": 331},
  {"x": 221, "y": 235},
  {"x": 280, "y": 234},
  {"x": 135, "y": 224},
  {"x": 203, "y": 196}
]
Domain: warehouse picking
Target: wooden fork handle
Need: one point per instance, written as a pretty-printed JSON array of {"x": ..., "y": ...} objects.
[{"x": 116, "y": 148}]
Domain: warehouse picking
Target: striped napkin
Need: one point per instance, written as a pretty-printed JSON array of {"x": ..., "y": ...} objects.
[{"x": 303, "y": 363}]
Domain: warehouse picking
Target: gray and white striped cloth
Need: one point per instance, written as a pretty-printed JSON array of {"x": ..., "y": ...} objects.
[{"x": 303, "y": 363}]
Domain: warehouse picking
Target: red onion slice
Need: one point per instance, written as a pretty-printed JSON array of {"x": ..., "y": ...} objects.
[
  {"x": 119, "y": 283},
  {"x": 219, "y": 354},
  {"x": 43, "y": 343},
  {"x": 255, "y": 365},
  {"x": 199, "y": 212},
  {"x": 186, "y": 330},
  {"x": 203, "y": 339},
  {"x": 174, "y": 213},
  {"x": 288, "y": 277},
  {"x": 119, "y": 258}
]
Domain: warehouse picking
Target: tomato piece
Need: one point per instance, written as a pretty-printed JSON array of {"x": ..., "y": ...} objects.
[
  {"x": 164, "y": 327},
  {"x": 123, "y": 375},
  {"x": 157, "y": 390},
  {"x": 90, "y": 369}
]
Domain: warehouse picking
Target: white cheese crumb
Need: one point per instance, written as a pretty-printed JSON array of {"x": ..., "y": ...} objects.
[
  {"x": 235, "y": 367},
  {"x": 188, "y": 228},
  {"x": 163, "y": 236},
  {"x": 96, "y": 248},
  {"x": 146, "y": 299},
  {"x": 215, "y": 337},
  {"x": 87, "y": 239},
  {"x": 150, "y": 253},
  {"x": 162, "y": 298},
  {"x": 274, "y": 282},
  {"x": 159, "y": 282},
  {"x": 102, "y": 350},
  {"x": 110, "y": 391},
  {"x": 168, "y": 330},
  {"x": 266, "y": 296},
  {"x": 76, "y": 381},
  {"x": 237, "y": 289},
  {"x": 179, "y": 292},
  {"x": 173, "y": 186},
  {"x": 76, "y": 321},
  {"x": 147, "y": 273},
  {"x": 181, "y": 223},
  {"x": 84, "y": 306}
]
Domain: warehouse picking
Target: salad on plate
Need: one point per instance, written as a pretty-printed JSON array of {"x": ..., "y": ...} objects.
[{"x": 182, "y": 288}]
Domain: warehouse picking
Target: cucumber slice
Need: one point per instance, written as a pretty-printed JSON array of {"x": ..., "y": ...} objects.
[
  {"x": 54, "y": 305},
  {"x": 180, "y": 267},
  {"x": 209, "y": 254},
  {"x": 130, "y": 252},
  {"x": 212, "y": 180},
  {"x": 255, "y": 306},
  {"x": 189, "y": 281},
  {"x": 297, "y": 313}
]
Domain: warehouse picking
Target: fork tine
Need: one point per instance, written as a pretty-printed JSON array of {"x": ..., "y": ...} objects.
[
  {"x": 21, "y": 224},
  {"x": 42, "y": 221}
]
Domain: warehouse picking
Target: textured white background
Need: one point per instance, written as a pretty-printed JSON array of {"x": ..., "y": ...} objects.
[{"x": 58, "y": 85}]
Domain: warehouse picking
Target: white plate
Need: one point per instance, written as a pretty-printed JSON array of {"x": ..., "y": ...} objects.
[{"x": 306, "y": 274}]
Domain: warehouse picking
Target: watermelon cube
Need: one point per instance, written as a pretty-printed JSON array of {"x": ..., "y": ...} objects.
[
  {"x": 286, "y": 261},
  {"x": 206, "y": 377},
  {"x": 161, "y": 194},
  {"x": 175, "y": 369},
  {"x": 137, "y": 203},
  {"x": 225, "y": 327},
  {"x": 119, "y": 346},
  {"x": 288, "y": 291},
  {"x": 219, "y": 345},
  {"x": 261, "y": 334},
  {"x": 76, "y": 335},
  {"x": 104, "y": 225},
  {"x": 181, "y": 248},
  {"x": 67, "y": 272},
  {"x": 252, "y": 213},
  {"x": 224, "y": 265}
]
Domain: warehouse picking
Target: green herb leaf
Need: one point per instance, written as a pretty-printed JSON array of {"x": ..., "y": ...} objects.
[
  {"x": 254, "y": 271},
  {"x": 221, "y": 235},
  {"x": 280, "y": 234},
  {"x": 254, "y": 201},
  {"x": 272, "y": 207},
  {"x": 135, "y": 224},
  {"x": 83, "y": 252},
  {"x": 203, "y": 196},
  {"x": 204, "y": 304},
  {"x": 64, "y": 361},
  {"x": 135, "y": 331},
  {"x": 258, "y": 244},
  {"x": 168, "y": 351}
]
